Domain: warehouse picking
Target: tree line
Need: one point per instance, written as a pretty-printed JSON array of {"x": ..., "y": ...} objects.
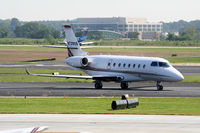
[
  {"x": 34, "y": 30},
  {"x": 190, "y": 33},
  {"x": 53, "y": 29}
]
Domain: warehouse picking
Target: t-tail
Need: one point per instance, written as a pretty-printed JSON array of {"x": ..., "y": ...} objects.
[
  {"x": 84, "y": 37},
  {"x": 73, "y": 46}
]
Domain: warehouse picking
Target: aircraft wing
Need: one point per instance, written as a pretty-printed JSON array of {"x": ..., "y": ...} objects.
[
  {"x": 97, "y": 77},
  {"x": 86, "y": 43},
  {"x": 52, "y": 46},
  {"x": 26, "y": 130},
  {"x": 59, "y": 76},
  {"x": 61, "y": 46}
]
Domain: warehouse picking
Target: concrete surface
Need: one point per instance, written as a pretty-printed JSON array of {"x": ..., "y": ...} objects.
[{"x": 103, "y": 123}]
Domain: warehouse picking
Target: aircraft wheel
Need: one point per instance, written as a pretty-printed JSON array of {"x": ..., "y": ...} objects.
[
  {"x": 124, "y": 85},
  {"x": 159, "y": 86},
  {"x": 98, "y": 85}
]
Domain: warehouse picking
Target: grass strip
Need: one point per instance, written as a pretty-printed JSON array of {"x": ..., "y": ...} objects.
[{"x": 69, "y": 105}]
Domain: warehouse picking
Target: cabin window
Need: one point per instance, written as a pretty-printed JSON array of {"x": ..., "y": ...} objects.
[
  {"x": 163, "y": 64},
  {"x": 154, "y": 63},
  {"x": 124, "y": 65},
  {"x": 139, "y": 66},
  {"x": 144, "y": 66},
  {"x": 129, "y": 65},
  {"x": 119, "y": 64},
  {"x": 114, "y": 64},
  {"x": 109, "y": 64},
  {"x": 133, "y": 65}
]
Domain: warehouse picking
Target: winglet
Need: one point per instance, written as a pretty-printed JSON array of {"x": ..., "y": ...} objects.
[{"x": 27, "y": 72}]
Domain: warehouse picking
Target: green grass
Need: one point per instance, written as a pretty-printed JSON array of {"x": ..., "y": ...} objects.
[
  {"x": 184, "y": 60},
  {"x": 122, "y": 42},
  {"x": 173, "y": 50},
  {"x": 116, "y": 42},
  {"x": 30, "y": 48},
  {"x": 19, "y": 75},
  {"x": 153, "y": 106}
]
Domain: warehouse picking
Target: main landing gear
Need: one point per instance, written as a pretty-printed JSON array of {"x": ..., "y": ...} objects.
[
  {"x": 124, "y": 85},
  {"x": 98, "y": 84},
  {"x": 159, "y": 86}
]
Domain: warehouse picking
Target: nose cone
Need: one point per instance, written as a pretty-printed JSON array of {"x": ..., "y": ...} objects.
[{"x": 177, "y": 76}]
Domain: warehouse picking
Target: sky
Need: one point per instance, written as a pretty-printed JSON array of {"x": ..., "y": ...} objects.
[{"x": 153, "y": 10}]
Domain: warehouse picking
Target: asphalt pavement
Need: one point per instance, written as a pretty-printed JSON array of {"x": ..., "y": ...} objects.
[{"x": 139, "y": 89}]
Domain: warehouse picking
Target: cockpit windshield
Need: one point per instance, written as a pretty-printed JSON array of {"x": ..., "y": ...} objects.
[
  {"x": 163, "y": 64},
  {"x": 160, "y": 64}
]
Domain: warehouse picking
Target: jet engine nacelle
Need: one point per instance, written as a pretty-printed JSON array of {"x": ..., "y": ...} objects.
[{"x": 77, "y": 61}]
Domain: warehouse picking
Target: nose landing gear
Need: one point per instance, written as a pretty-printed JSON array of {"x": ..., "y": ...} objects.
[{"x": 159, "y": 86}]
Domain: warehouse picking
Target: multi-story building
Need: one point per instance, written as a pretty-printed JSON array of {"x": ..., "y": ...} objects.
[{"x": 146, "y": 30}]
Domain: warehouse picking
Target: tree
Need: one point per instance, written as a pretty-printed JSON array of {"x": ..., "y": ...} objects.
[
  {"x": 188, "y": 34},
  {"x": 35, "y": 30},
  {"x": 133, "y": 35},
  {"x": 14, "y": 22},
  {"x": 4, "y": 32},
  {"x": 171, "y": 37}
]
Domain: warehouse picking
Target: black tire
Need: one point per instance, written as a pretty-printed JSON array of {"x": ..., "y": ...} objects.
[
  {"x": 98, "y": 85},
  {"x": 124, "y": 85},
  {"x": 159, "y": 87}
]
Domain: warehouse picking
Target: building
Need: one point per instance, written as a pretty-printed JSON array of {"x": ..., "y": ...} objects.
[{"x": 123, "y": 25}]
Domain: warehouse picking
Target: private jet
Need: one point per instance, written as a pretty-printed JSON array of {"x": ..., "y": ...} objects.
[{"x": 120, "y": 69}]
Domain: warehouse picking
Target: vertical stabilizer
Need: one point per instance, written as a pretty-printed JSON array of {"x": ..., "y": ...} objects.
[{"x": 72, "y": 43}]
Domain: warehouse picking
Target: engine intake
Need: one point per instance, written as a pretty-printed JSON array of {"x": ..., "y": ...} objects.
[{"x": 84, "y": 61}]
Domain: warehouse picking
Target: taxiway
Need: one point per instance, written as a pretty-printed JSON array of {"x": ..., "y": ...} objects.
[{"x": 79, "y": 123}]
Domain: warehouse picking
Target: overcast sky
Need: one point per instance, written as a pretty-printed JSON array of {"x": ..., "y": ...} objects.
[{"x": 153, "y": 10}]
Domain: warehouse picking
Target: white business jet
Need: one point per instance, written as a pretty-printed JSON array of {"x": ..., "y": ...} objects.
[{"x": 122, "y": 69}]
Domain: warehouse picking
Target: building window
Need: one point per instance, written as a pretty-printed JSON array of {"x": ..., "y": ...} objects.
[
  {"x": 136, "y": 26},
  {"x": 144, "y": 25}
]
